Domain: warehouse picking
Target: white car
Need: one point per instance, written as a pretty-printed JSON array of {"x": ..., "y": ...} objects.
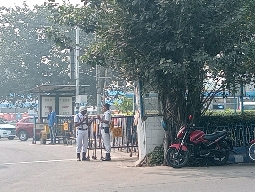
[{"x": 7, "y": 131}]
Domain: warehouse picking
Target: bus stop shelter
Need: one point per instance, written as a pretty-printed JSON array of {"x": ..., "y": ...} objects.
[{"x": 60, "y": 97}]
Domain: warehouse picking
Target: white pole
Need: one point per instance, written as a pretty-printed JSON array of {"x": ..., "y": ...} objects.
[
  {"x": 98, "y": 89},
  {"x": 77, "y": 72},
  {"x": 98, "y": 86}
]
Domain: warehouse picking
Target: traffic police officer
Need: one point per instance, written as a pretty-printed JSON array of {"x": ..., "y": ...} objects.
[
  {"x": 105, "y": 130},
  {"x": 82, "y": 123}
]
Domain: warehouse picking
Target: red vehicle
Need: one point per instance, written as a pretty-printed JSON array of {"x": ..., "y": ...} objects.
[
  {"x": 194, "y": 146},
  {"x": 24, "y": 128}
]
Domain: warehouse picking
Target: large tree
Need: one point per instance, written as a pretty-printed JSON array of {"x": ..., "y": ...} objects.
[
  {"x": 173, "y": 47},
  {"x": 26, "y": 55},
  {"x": 29, "y": 58}
]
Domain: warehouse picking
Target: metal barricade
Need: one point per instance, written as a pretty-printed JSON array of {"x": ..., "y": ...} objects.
[
  {"x": 64, "y": 130},
  {"x": 123, "y": 136}
]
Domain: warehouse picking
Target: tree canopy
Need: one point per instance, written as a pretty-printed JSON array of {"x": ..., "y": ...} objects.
[
  {"x": 26, "y": 55},
  {"x": 29, "y": 57},
  {"x": 174, "y": 47}
]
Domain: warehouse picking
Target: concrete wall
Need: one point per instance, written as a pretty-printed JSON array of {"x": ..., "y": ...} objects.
[{"x": 150, "y": 134}]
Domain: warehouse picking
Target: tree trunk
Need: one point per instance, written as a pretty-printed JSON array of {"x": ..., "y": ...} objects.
[{"x": 173, "y": 107}]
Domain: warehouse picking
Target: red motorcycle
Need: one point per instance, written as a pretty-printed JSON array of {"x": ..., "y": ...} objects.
[{"x": 194, "y": 145}]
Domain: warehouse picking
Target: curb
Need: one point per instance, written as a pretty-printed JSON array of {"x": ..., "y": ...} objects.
[{"x": 239, "y": 155}]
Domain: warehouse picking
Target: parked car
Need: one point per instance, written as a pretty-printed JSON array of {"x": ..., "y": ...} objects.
[
  {"x": 24, "y": 129},
  {"x": 7, "y": 130},
  {"x": 4, "y": 133}
]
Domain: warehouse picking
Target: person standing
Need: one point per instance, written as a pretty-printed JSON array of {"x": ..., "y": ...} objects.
[
  {"x": 82, "y": 123},
  {"x": 105, "y": 130},
  {"x": 51, "y": 123}
]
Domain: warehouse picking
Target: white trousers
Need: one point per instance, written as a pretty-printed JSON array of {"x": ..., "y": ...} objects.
[
  {"x": 81, "y": 141},
  {"x": 106, "y": 140}
]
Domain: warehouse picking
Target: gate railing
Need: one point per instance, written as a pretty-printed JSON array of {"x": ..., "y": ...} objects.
[
  {"x": 241, "y": 134},
  {"x": 123, "y": 135}
]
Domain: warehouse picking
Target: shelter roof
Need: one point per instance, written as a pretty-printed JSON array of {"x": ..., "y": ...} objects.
[{"x": 56, "y": 88}]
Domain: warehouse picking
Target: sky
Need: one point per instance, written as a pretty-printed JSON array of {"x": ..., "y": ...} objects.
[{"x": 12, "y": 3}]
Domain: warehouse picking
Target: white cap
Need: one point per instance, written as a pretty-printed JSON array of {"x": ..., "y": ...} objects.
[{"x": 82, "y": 108}]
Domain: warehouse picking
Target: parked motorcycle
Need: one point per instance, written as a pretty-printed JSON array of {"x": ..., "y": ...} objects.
[
  {"x": 251, "y": 151},
  {"x": 194, "y": 145}
]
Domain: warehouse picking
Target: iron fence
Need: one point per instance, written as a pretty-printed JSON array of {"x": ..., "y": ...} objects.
[{"x": 240, "y": 134}]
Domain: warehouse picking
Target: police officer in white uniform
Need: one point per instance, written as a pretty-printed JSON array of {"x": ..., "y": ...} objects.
[
  {"x": 82, "y": 123},
  {"x": 105, "y": 130}
]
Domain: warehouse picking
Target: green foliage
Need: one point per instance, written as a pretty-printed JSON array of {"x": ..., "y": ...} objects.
[
  {"x": 124, "y": 104},
  {"x": 167, "y": 46},
  {"x": 156, "y": 157},
  {"x": 226, "y": 118},
  {"x": 28, "y": 58},
  {"x": 176, "y": 48}
]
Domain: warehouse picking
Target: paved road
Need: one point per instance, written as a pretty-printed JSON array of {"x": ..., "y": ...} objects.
[{"x": 33, "y": 167}]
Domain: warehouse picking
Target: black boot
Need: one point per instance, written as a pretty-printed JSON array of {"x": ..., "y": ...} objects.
[
  {"x": 84, "y": 158},
  {"x": 107, "y": 157},
  {"x": 78, "y": 157}
]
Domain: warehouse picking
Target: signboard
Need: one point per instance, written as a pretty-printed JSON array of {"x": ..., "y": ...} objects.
[
  {"x": 40, "y": 126},
  {"x": 65, "y": 105},
  {"x": 46, "y": 103},
  {"x": 81, "y": 98},
  {"x": 116, "y": 131},
  {"x": 151, "y": 104}
]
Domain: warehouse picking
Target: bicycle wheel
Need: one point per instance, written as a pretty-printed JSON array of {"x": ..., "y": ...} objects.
[{"x": 251, "y": 152}]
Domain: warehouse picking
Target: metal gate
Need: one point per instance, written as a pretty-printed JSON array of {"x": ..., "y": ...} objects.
[{"x": 123, "y": 136}]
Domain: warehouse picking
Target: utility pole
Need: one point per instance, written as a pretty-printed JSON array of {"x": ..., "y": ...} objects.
[
  {"x": 105, "y": 83},
  {"x": 77, "y": 71},
  {"x": 71, "y": 64},
  {"x": 134, "y": 98},
  {"x": 98, "y": 89},
  {"x": 241, "y": 98},
  {"x": 102, "y": 82}
]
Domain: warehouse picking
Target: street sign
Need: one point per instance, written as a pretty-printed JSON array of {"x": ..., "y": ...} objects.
[
  {"x": 151, "y": 104},
  {"x": 65, "y": 105},
  {"x": 46, "y": 103}
]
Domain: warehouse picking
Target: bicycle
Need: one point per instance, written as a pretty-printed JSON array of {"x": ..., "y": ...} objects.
[{"x": 251, "y": 151}]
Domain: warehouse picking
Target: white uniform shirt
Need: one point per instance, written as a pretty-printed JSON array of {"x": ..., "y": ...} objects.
[
  {"x": 107, "y": 117},
  {"x": 78, "y": 118}
]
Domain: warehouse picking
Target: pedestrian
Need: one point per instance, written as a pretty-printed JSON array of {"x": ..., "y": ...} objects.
[
  {"x": 82, "y": 123},
  {"x": 52, "y": 123},
  {"x": 105, "y": 130}
]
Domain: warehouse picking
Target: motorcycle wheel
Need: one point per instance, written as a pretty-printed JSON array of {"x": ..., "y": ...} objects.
[
  {"x": 177, "y": 158},
  {"x": 221, "y": 156},
  {"x": 251, "y": 152}
]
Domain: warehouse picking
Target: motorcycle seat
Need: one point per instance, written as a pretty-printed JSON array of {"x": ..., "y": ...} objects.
[{"x": 214, "y": 136}]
